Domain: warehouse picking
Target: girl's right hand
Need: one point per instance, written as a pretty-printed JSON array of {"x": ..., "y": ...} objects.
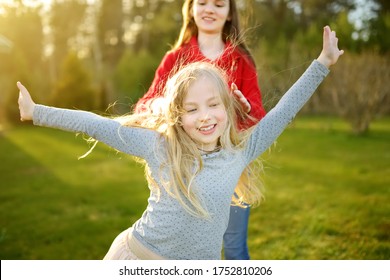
[
  {"x": 26, "y": 104},
  {"x": 246, "y": 106}
]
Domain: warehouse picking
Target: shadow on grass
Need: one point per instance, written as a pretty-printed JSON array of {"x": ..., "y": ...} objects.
[
  {"x": 56, "y": 207},
  {"x": 30, "y": 214}
]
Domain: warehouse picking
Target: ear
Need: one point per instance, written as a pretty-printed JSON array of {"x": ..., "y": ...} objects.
[{"x": 179, "y": 122}]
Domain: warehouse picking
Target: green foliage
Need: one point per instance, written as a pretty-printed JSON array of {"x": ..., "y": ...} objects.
[
  {"x": 66, "y": 18},
  {"x": 345, "y": 31},
  {"x": 134, "y": 74},
  {"x": 23, "y": 27},
  {"x": 309, "y": 41},
  {"x": 284, "y": 36},
  {"x": 379, "y": 33},
  {"x": 73, "y": 89},
  {"x": 110, "y": 31},
  {"x": 161, "y": 22},
  {"x": 271, "y": 21}
]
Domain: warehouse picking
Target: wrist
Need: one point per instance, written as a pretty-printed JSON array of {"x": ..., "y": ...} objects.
[
  {"x": 30, "y": 115},
  {"x": 324, "y": 61}
]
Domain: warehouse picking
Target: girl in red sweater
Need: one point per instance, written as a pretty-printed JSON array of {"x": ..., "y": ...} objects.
[{"x": 210, "y": 32}]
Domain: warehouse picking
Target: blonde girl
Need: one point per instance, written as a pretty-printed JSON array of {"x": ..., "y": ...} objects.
[
  {"x": 195, "y": 155},
  {"x": 211, "y": 32}
]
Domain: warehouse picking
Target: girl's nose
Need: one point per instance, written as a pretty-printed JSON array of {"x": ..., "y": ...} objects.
[
  {"x": 204, "y": 115},
  {"x": 209, "y": 8}
]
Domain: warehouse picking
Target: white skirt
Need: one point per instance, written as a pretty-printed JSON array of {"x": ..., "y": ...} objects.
[
  {"x": 126, "y": 247},
  {"x": 120, "y": 249}
]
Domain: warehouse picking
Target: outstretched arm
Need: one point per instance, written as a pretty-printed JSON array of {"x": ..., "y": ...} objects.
[
  {"x": 330, "y": 51},
  {"x": 273, "y": 124},
  {"x": 130, "y": 140}
]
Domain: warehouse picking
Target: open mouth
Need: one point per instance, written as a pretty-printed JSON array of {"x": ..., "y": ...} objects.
[
  {"x": 207, "y": 19},
  {"x": 207, "y": 128}
]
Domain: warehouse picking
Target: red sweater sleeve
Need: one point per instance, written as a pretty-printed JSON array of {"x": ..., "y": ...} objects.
[
  {"x": 252, "y": 92},
  {"x": 161, "y": 76}
]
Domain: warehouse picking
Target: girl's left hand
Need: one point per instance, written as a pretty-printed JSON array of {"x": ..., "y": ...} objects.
[
  {"x": 330, "y": 51},
  {"x": 26, "y": 104},
  {"x": 241, "y": 98}
]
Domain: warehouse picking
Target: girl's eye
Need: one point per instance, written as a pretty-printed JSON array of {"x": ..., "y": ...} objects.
[
  {"x": 190, "y": 110},
  {"x": 214, "y": 104},
  {"x": 220, "y": 4}
]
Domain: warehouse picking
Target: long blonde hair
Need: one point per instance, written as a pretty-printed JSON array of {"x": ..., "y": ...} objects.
[
  {"x": 231, "y": 30},
  {"x": 184, "y": 159}
]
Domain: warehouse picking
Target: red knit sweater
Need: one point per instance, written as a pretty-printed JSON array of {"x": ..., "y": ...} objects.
[{"x": 237, "y": 65}]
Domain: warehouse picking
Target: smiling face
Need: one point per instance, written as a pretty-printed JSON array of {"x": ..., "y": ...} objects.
[
  {"x": 210, "y": 15},
  {"x": 205, "y": 116}
]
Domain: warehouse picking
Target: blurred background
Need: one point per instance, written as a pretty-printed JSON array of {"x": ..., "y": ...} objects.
[
  {"x": 331, "y": 179},
  {"x": 91, "y": 53}
]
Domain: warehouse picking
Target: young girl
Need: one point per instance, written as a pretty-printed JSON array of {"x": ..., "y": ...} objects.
[
  {"x": 195, "y": 155},
  {"x": 211, "y": 32}
]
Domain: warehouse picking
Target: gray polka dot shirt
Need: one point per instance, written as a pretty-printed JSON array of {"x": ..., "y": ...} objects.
[{"x": 165, "y": 227}]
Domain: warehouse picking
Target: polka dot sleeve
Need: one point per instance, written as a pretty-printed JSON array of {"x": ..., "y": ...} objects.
[
  {"x": 133, "y": 141},
  {"x": 273, "y": 124}
]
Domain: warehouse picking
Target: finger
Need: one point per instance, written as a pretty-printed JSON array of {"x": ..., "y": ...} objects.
[
  {"x": 237, "y": 93},
  {"x": 244, "y": 102},
  {"x": 327, "y": 30},
  {"x": 233, "y": 87},
  {"x": 19, "y": 85},
  {"x": 326, "y": 34},
  {"x": 241, "y": 98},
  {"x": 22, "y": 88}
]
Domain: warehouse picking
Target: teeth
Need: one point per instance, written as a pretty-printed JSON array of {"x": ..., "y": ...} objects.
[{"x": 207, "y": 128}]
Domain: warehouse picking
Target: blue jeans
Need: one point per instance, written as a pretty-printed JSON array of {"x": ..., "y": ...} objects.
[{"x": 235, "y": 238}]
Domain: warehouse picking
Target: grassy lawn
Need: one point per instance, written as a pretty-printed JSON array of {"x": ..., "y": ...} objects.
[{"x": 327, "y": 195}]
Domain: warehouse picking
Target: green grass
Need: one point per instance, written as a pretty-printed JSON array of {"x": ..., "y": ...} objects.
[
  {"x": 54, "y": 206},
  {"x": 327, "y": 195}
]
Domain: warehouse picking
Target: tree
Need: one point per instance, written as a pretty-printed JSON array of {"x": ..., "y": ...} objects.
[
  {"x": 379, "y": 27},
  {"x": 110, "y": 31},
  {"x": 158, "y": 23},
  {"x": 22, "y": 25},
  {"x": 74, "y": 89},
  {"x": 66, "y": 17},
  {"x": 358, "y": 86},
  {"x": 134, "y": 74}
]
